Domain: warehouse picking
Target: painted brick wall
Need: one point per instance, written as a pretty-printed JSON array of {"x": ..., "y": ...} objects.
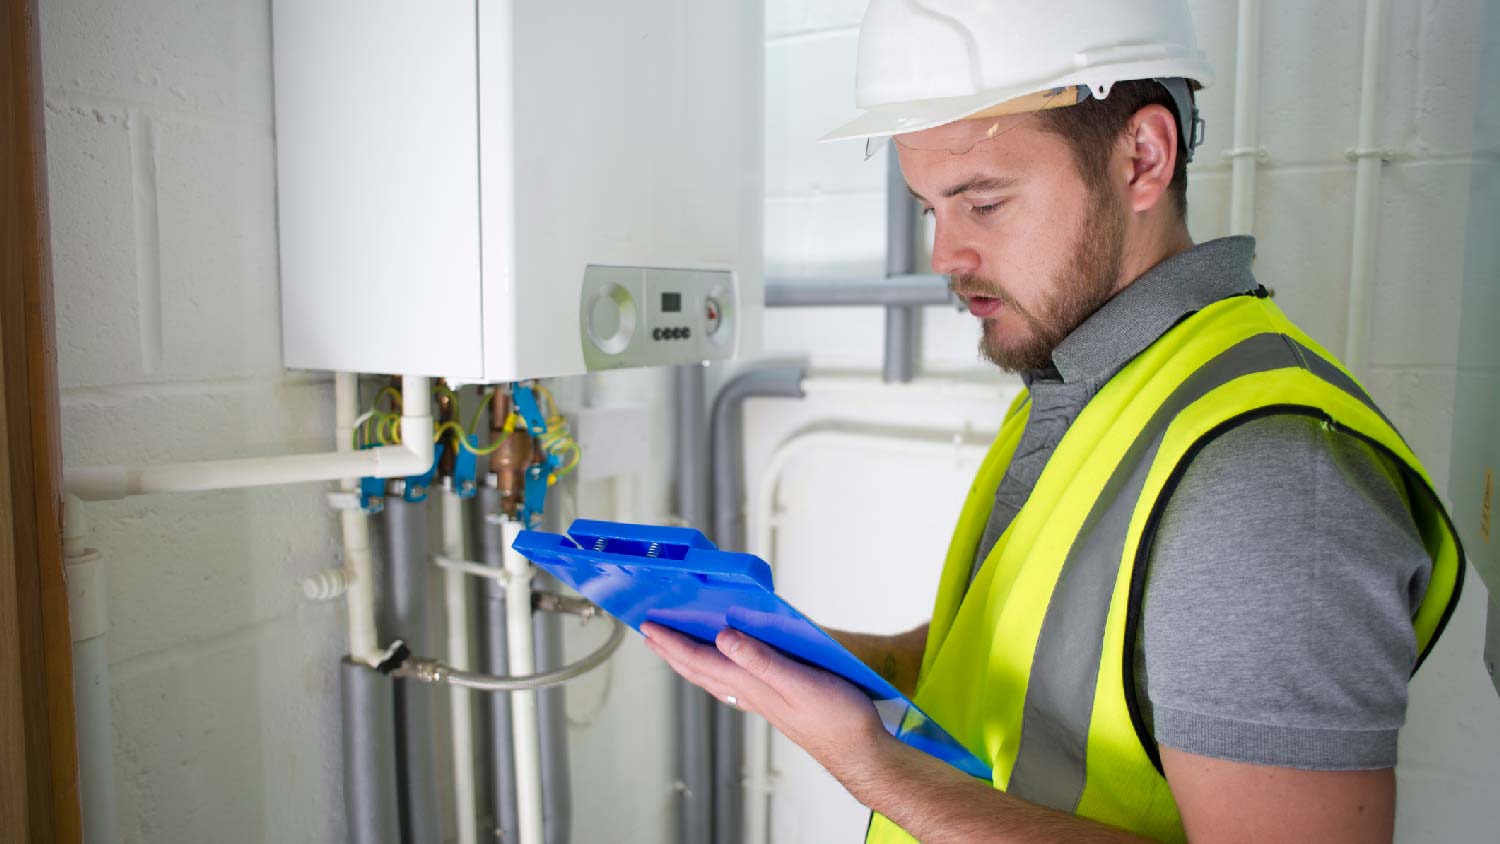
[{"x": 161, "y": 163}]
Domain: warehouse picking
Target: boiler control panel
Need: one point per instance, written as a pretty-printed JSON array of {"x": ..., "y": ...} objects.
[{"x": 656, "y": 316}]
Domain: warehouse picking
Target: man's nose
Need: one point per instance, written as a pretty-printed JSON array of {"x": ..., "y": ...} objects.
[{"x": 952, "y": 257}]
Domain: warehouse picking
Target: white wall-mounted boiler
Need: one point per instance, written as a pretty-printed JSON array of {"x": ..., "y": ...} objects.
[{"x": 492, "y": 191}]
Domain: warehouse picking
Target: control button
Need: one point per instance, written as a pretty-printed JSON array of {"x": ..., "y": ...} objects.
[
  {"x": 656, "y": 334},
  {"x": 686, "y": 333}
]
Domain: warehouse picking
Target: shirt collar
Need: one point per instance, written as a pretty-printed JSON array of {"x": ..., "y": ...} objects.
[{"x": 1140, "y": 314}]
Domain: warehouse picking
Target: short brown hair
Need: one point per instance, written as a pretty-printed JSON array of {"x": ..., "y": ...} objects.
[{"x": 1094, "y": 126}]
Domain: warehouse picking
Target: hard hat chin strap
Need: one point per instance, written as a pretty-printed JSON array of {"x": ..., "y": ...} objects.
[{"x": 1189, "y": 124}]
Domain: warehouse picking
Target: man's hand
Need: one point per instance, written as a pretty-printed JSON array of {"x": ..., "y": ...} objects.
[
  {"x": 826, "y": 716},
  {"x": 835, "y": 723}
]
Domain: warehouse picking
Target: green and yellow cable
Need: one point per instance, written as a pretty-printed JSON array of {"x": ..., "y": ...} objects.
[
  {"x": 484, "y": 402},
  {"x": 558, "y": 440},
  {"x": 510, "y": 426},
  {"x": 394, "y": 393},
  {"x": 437, "y": 435}
]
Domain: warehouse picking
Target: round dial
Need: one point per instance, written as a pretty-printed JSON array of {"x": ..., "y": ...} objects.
[
  {"x": 713, "y": 316},
  {"x": 612, "y": 319}
]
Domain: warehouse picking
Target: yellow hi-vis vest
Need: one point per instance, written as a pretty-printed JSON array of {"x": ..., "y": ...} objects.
[{"x": 1032, "y": 665}]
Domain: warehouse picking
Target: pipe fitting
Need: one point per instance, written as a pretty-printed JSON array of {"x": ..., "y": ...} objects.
[
  {"x": 327, "y": 584},
  {"x": 436, "y": 672}
]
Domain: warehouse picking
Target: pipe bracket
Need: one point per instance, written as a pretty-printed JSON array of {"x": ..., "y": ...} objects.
[{"x": 1257, "y": 153}]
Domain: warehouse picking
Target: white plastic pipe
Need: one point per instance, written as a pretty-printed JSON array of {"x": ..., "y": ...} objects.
[
  {"x": 924, "y": 389},
  {"x": 761, "y": 517},
  {"x": 460, "y": 703},
  {"x": 1366, "y": 193},
  {"x": 364, "y": 644},
  {"x": 1246, "y": 107},
  {"x": 88, "y": 616},
  {"x": 525, "y": 734},
  {"x": 413, "y": 456}
]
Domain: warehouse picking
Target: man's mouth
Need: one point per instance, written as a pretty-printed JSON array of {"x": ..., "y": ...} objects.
[{"x": 984, "y": 306}]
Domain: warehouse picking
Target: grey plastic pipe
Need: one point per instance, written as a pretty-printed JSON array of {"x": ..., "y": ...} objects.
[
  {"x": 402, "y": 614},
  {"x": 693, "y": 706},
  {"x": 552, "y": 718},
  {"x": 903, "y": 325},
  {"x": 727, "y": 438},
  {"x": 369, "y": 754},
  {"x": 898, "y": 291},
  {"x": 500, "y": 756}
]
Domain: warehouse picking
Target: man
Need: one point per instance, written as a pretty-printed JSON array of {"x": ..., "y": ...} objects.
[{"x": 1198, "y": 567}]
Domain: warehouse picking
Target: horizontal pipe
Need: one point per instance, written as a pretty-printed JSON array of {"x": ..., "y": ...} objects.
[
  {"x": 412, "y": 456},
  {"x": 896, "y": 291},
  {"x": 859, "y": 387}
]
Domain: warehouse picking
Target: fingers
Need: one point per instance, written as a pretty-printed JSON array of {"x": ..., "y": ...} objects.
[
  {"x": 765, "y": 663},
  {"x": 706, "y": 667}
]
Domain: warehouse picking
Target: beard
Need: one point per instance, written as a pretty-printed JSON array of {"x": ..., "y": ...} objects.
[{"x": 1085, "y": 284}]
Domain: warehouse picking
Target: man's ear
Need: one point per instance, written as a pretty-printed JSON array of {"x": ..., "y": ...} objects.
[{"x": 1152, "y": 153}]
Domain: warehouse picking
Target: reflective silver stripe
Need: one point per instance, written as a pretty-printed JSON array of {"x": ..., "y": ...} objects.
[
  {"x": 1050, "y": 763},
  {"x": 1319, "y": 366}
]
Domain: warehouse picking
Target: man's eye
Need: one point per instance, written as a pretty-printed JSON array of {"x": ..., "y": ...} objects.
[
  {"x": 984, "y": 210},
  {"x": 926, "y": 212}
]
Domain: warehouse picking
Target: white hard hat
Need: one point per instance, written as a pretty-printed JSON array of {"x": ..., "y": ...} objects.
[{"x": 924, "y": 63}]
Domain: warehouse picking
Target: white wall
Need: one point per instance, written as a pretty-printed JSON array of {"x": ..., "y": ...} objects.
[{"x": 824, "y": 218}]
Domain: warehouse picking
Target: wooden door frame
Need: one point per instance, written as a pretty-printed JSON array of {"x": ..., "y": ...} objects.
[{"x": 39, "y": 798}]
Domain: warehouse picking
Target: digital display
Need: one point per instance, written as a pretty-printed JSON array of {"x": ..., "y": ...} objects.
[{"x": 671, "y": 303}]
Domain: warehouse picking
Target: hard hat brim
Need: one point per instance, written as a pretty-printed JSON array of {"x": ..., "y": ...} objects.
[{"x": 900, "y": 118}]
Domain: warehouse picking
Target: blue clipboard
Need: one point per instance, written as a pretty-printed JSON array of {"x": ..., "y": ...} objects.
[{"x": 677, "y": 578}]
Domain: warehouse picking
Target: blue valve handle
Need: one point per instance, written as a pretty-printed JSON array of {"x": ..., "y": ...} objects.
[{"x": 538, "y": 477}]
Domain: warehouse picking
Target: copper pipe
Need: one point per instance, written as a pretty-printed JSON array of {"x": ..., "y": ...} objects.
[{"x": 509, "y": 462}]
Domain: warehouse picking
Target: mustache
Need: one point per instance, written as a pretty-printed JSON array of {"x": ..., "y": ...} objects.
[{"x": 968, "y": 286}]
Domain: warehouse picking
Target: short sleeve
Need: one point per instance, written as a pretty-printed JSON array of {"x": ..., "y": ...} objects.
[{"x": 1276, "y": 623}]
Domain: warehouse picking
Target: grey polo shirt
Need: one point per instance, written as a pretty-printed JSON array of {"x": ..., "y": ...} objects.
[{"x": 1276, "y": 623}]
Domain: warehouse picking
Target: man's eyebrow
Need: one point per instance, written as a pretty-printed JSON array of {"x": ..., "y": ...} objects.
[{"x": 979, "y": 183}]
